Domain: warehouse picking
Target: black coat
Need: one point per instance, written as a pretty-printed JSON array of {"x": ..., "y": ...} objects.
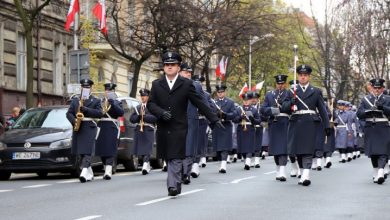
[
  {"x": 107, "y": 142},
  {"x": 171, "y": 135},
  {"x": 302, "y": 129},
  {"x": 83, "y": 141}
]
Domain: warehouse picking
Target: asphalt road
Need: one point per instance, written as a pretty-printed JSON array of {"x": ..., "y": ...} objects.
[{"x": 345, "y": 191}]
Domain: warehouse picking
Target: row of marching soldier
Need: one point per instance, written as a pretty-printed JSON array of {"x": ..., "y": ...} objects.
[{"x": 96, "y": 129}]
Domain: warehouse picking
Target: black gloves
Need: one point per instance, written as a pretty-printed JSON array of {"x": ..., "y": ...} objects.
[
  {"x": 167, "y": 115},
  {"x": 84, "y": 109},
  {"x": 219, "y": 124},
  {"x": 328, "y": 131},
  {"x": 111, "y": 101}
]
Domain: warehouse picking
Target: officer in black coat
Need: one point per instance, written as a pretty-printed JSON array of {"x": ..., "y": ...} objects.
[
  {"x": 107, "y": 142},
  {"x": 259, "y": 128},
  {"x": 88, "y": 108},
  {"x": 144, "y": 131},
  {"x": 374, "y": 109},
  {"x": 168, "y": 102},
  {"x": 302, "y": 129}
]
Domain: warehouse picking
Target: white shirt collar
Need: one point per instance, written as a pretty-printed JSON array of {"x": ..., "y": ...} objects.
[
  {"x": 306, "y": 86},
  {"x": 171, "y": 82}
]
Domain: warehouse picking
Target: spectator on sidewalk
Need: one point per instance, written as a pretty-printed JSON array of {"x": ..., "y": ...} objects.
[{"x": 14, "y": 116}]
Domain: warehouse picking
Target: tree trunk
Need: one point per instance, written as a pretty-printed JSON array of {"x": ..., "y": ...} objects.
[
  {"x": 30, "y": 69},
  {"x": 134, "y": 86}
]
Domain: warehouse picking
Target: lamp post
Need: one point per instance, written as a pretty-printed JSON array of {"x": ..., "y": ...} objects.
[{"x": 252, "y": 40}]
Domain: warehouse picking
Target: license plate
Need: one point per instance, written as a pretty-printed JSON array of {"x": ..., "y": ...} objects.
[{"x": 26, "y": 155}]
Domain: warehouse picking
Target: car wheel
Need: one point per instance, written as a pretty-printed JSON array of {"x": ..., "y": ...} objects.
[
  {"x": 157, "y": 163},
  {"x": 132, "y": 164},
  {"x": 42, "y": 174},
  {"x": 5, "y": 175}
]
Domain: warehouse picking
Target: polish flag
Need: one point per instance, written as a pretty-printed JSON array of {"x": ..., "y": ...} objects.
[
  {"x": 100, "y": 13},
  {"x": 223, "y": 73},
  {"x": 244, "y": 89},
  {"x": 220, "y": 71},
  {"x": 73, "y": 9},
  {"x": 258, "y": 86}
]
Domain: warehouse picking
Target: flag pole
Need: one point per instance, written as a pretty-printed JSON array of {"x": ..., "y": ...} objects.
[{"x": 295, "y": 74}]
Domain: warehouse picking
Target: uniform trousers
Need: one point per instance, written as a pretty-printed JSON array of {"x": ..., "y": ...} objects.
[
  {"x": 280, "y": 160},
  {"x": 318, "y": 153},
  {"x": 187, "y": 165},
  {"x": 328, "y": 154},
  {"x": 108, "y": 160},
  {"x": 146, "y": 158},
  {"x": 86, "y": 160},
  {"x": 293, "y": 159},
  {"x": 247, "y": 155},
  {"x": 224, "y": 155},
  {"x": 305, "y": 161},
  {"x": 379, "y": 161},
  {"x": 175, "y": 170}
]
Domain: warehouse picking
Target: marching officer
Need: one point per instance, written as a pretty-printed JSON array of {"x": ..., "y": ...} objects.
[
  {"x": 320, "y": 142},
  {"x": 144, "y": 131},
  {"x": 330, "y": 141},
  {"x": 258, "y": 129},
  {"x": 278, "y": 124},
  {"x": 374, "y": 109},
  {"x": 247, "y": 119},
  {"x": 107, "y": 142},
  {"x": 168, "y": 102},
  {"x": 82, "y": 112},
  {"x": 343, "y": 129},
  {"x": 304, "y": 120},
  {"x": 222, "y": 138},
  {"x": 191, "y": 163}
]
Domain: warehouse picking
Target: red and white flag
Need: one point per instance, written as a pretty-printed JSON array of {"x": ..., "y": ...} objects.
[
  {"x": 220, "y": 71},
  {"x": 243, "y": 90},
  {"x": 224, "y": 69},
  {"x": 73, "y": 9},
  {"x": 100, "y": 13},
  {"x": 258, "y": 86}
]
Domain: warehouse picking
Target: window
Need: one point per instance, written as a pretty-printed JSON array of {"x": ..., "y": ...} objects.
[
  {"x": 57, "y": 69},
  {"x": 21, "y": 62},
  {"x": 101, "y": 74}
]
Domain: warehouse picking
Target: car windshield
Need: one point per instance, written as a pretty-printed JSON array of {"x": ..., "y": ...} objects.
[{"x": 43, "y": 118}]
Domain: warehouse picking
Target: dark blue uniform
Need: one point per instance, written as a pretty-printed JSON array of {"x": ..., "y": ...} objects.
[
  {"x": 246, "y": 130},
  {"x": 83, "y": 141},
  {"x": 222, "y": 138},
  {"x": 107, "y": 142}
]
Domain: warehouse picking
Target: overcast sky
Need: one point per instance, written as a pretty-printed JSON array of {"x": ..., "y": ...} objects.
[{"x": 304, "y": 5}]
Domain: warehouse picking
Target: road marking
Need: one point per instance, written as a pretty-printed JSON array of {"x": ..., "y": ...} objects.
[
  {"x": 239, "y": 180},
  {"x": 36, "y": 186},
  {"x": 270, "y": 173},
  {"x": 89, "y": 217},
  {"x": 125, "y": 174},
  {"x": 168, "y": 197},
  {"x": 68, "y": 181},
  {"x": 6, "y": 190}
]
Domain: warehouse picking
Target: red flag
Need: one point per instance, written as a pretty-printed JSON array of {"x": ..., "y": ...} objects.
[
  {"x": 100, "y": 13},
  {"x": 243, "y": 90},
  {"x": 73, "y": 9},
  {"x": 220, "y": 71}
]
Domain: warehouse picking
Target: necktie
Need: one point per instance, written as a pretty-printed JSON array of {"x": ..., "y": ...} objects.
[{"x": 303, "y": 88}]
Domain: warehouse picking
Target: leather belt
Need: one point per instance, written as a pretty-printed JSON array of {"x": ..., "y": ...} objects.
[
  {"x": 108, "y": 119},
  {"x": 202, "y": 117},
  {"x": 88, "y": 119},
  {"x": 282, "y": 115},
  {"x": 147, "y": 124},
  {"x": 305, "y": 112},
  {"x": 341, "y": 126},
  {"x": 377, "y": 119}
]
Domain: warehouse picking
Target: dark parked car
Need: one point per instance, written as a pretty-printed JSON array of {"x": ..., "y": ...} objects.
[
  {"x": 39, "y": 141},
  {"x": 125, "y": 148}
]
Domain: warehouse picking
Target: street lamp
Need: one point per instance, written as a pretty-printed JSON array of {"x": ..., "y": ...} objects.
[{"x": 252, "y": 40}]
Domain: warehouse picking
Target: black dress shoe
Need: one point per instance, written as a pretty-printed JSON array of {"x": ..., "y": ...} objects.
[
  {"x": 358, "y": 156},
  {"x": 328, "y": 165},
  {"x": 293, "y": 175},
  {"x": 349, "y": 159},
  {"x": 257, "y": 166},
  {"x": 172, "y": 191},
  {"x": 82, "y": 179},
  {"x": 313, "y": 168},
  {"x": 165, "y": 169},
  {"x": 282, "y": 179},
  {"x": 263, "y": 157},
  {"x": 222, "y": 171},
  {"x": 306, "y": 182},
  {"x": 381, "y": 180},
  {"x": 319, "y": 168},
  {"x": 354, "y": 157},
  {"x": 299, "y": 176},
  {"x": 106, "y": 177},
  {"x": 203, "y": 165},
  {"x": 144, "y": 172},
  {"x": 343, "y": 161},
  {"x": 277, "y": 178},
  {"x": 186, "y": 180},
  {"x": 234, "y": 160},
  {"x": 194, "y": 175},
  {"x": 247, "y": 167}
]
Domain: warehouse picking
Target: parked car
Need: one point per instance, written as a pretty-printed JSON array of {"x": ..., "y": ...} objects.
[
  {"x": 39, "y": 142},
  {"x": 125, "y": 148}
]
